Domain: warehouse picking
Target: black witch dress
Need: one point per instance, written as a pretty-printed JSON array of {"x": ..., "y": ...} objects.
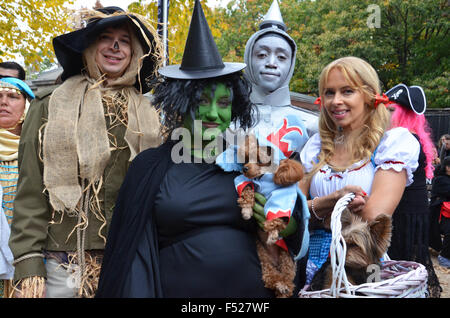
[
  {"x": 206, "y": 249},
  {"x": 177, "y": 231}
]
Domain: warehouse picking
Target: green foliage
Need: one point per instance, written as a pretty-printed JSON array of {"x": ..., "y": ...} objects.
[
  {"x": 437, "y": 90},
  {"x": 238, "y": 22},
  {"x": 416, "y": 33},
  {"x": 27, "y": 28},
  {"x": 180, "y": 12},
  {"x": 410, "y": 46}
]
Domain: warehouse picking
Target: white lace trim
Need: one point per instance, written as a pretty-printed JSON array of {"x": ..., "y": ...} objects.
[{"x": 398, "y": 167}]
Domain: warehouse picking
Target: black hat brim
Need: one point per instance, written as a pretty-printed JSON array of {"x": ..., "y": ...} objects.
[
  {"x": 70, "y": 46},
  {"x": 412, "y": 97},
  {"x": 174, "y": 71}
]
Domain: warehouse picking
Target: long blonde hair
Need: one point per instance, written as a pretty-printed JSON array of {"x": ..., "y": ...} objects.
[{"x": 362, "y": 77}]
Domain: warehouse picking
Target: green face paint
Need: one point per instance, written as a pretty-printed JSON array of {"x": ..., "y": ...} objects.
[{"x": 214, "y": 112}]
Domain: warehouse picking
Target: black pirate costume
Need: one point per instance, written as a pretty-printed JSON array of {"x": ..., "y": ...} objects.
[{"x": 411, "y": 218}]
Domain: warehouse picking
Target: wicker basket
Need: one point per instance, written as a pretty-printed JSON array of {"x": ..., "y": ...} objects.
[{"x": 399, "y": 279}]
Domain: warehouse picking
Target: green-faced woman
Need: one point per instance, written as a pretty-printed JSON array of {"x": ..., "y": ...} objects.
[{"x": 211, "y": 118}]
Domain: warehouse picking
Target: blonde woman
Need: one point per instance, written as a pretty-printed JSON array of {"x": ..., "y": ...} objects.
[{"x": 353, "y": 152}]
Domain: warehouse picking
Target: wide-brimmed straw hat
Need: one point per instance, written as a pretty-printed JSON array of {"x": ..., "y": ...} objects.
[
  {"x": 201, "y": 57},
  {"x": 70, "y": 46}
]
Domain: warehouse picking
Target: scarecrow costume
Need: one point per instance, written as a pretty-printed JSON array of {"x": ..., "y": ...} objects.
[
  {"x": 78, "y": 141},
  {"x": 9, "y": 172}
]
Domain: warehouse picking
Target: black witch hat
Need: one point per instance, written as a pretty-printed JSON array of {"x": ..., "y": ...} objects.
[
  {"x": 201, "y": 58},
  {"x": 412, "y": 97},
  {"x": 69, "y": 47}
]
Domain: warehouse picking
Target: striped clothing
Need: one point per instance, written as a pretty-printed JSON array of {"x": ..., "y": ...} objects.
[{"x": 9, "y": 174}]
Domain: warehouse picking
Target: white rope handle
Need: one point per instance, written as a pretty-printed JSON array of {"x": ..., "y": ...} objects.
[
  {"x": 401, "y": 278},
  {"x": 338, "y": 248}
]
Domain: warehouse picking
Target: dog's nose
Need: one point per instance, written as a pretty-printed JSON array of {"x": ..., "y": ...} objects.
[{"x": 245, "y": 169}]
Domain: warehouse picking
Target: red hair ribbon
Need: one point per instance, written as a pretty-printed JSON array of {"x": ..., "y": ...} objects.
[
  {"x": 383, "y": 99},
  {"x": 318, "y": 101}
]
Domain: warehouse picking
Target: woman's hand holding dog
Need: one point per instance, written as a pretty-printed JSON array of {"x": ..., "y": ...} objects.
[
  {"x": 358, "y": 202},
  {"x": 258, "y": 214},
  {"x": 258, "y": 209},
  {"x": 324, "y": 205}
]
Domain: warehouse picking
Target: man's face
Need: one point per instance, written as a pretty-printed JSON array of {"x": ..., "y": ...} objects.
[
  {"x": 113, "y": 53},
  {"x": 271, "y": 62},
  {"x": 7, "y": 72},
  {"x": 446, "y": 142}
]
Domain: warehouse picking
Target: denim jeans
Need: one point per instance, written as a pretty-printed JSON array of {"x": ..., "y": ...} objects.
[{"x": 60, "y": 282}]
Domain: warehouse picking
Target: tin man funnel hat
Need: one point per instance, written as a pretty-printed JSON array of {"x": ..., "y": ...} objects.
[
  {"x": 201, "y": 58},
  {"x": 273, "y": 18}
]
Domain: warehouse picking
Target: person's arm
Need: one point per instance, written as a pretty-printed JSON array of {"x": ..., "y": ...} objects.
[
  {"x": 387, "y": 190},
  {"x": 31, "y": 211},
  {"x": 396, "y": 161}
]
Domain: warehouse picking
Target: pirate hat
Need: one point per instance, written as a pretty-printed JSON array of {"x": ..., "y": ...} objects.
[
  {"x": 201, "y": 58},
  {"x": 412, "y": 97},
  {"x": 70, "y": 46}
]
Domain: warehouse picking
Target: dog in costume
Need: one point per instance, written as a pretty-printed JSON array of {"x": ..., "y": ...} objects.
[{"x": 267, "y": 169}]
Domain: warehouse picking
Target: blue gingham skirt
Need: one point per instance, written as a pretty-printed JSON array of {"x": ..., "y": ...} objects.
[{"x": 319, "y": 249}]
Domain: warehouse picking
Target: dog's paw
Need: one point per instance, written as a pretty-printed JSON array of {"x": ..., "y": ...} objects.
[
  {"x": 283, "y": 290},
  {"x": 273, "y": 228},
  {"x": 272, "y": 237},
  {"x": 246, "y": 213}
]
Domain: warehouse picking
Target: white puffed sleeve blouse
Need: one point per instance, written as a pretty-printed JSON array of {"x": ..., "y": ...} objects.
[{"x": 398, "y": 150}]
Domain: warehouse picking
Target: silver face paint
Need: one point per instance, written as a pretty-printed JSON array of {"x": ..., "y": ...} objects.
[
  {"x": 116, "y": 45},
  {"x": 271, "y": 62}
]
